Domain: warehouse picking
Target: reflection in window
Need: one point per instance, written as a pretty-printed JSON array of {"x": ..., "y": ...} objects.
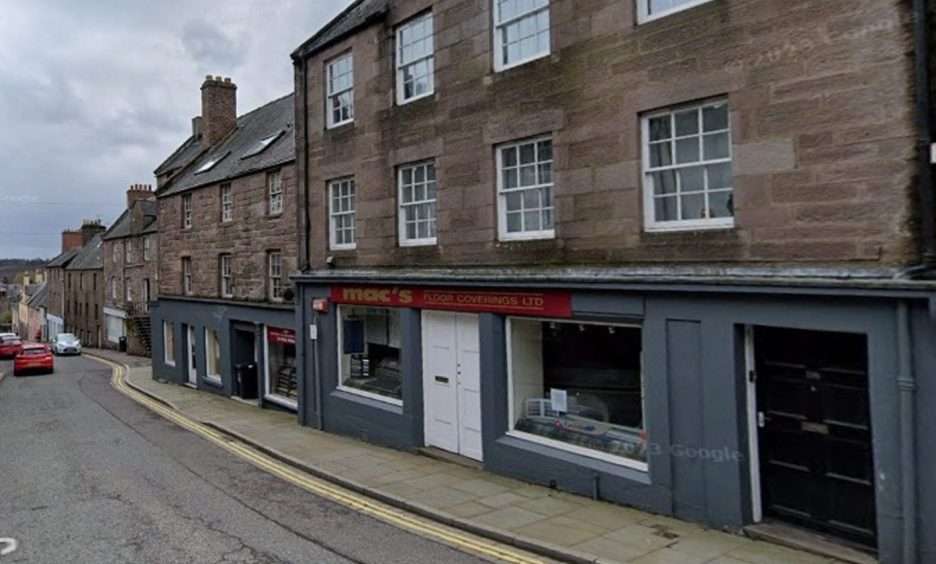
[
  {"x": 370, "y": 350},
  {"x": 281, "y": 363}
]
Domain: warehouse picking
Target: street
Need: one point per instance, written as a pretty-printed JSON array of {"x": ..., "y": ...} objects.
[{"x": 87, "y": 475}]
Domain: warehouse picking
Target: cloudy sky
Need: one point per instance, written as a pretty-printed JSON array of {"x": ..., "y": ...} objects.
[{"x": 95, "y": 94}]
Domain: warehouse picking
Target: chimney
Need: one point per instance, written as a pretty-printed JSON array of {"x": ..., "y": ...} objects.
[
  {"x": 71, "y": 239},
  {"x": 219, "y": 108},
  {"x": 196, "y": 127},
  {"x": 139, "y": 192},
  {"x": 90, "y": 228}
]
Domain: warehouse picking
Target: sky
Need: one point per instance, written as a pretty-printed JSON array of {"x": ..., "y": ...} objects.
[{"x": 95, "y": 94}]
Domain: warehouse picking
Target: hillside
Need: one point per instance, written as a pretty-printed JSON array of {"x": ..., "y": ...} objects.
[{"x": 9, "y": 268}]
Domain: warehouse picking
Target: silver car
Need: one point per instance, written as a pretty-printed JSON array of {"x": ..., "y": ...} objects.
[{"x": 66, "y": 343}]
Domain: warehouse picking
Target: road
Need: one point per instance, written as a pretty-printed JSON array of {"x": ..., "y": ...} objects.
[{"x": 87, "y": 475}]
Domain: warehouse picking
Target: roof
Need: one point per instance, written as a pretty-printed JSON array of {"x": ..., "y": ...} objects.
[
  {"x": 39, "y": 298},
  {"x": 355, "y": 16},
  {"x": 181, "y": 157},
  {"x": 274, "y": 117},
  {"x": 63, "y": 259},
  {"x": 89, "y": 257},
  {"x": 123, "y": 227}
]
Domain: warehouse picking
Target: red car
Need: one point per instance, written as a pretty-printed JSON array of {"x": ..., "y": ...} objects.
[
  {"x": 33, "y": 356},
  {"x": 10, "y": 346}
]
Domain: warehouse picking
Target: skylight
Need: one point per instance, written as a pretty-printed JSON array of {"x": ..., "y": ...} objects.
[
  {"x": 210, "y": 164},
  {"x": 261, "y": 145}
]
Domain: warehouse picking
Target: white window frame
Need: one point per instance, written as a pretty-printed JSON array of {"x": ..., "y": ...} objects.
[
  {"x": 128, "y": 251},
  {"x": 113, "y": 287},
  {"x": 187, "y": 211},
  {"x": 401, "y": 212},
  {"x": 187, "y": 285},
  {"x": 355, "y": 391},
  {"x": 275, "y": 195},
  {"x": 332, "y": 225},
  {"x": 553, "y": 443},
  {"x": 330, "y": 94},
  {"x": 114, "y": 252},
  {"x": 226, "y": 275},
  {"x": 644, "y": 15},
  {"x": 267, "y": 395},
  {"x": 168, "y": 329},
  {"x": 128, "y": 290},
  {"x": 499, "y": 64},
  {"x": 227, "y": 203},
  {"x": 146, "y": 249},
  {"x": 145, "y": 293},
  {"x": 213, "y": 377},
  {"x": 502, "y": 232},
  {"x": 402, "y": 66},
  {"x": 651, "y": 224},
  {"x": 275, "y": 275}
]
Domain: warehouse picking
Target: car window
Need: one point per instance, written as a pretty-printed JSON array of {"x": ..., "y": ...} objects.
[{"x": 33, "y": 352}]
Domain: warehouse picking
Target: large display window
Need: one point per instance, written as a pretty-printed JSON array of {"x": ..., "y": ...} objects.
[
  {"x": 281, "y": 379},
  {"x": 578, "y": 386},
  {"x": 369, "y": 352}
]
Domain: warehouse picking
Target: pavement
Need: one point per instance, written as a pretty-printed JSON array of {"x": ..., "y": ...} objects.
[
  {"x": 89, "y": 475},
  {"x": 555, "y": 524}
]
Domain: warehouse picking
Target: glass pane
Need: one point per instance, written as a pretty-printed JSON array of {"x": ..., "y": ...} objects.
[
  {"x": 660, "y": 128},
  {"x": 693, "y": 206},
  {"x": 527, "y": 154},
  {"x": 716, "y": 146},
  {"x": 531, "y": 221},
  {"x": 660, "y": 154},
  {"x": 687, "y": 150},
  {"x": 514, "y": 201},
  {"x": 664, "y": 182},
  {"x": 544, "y": 149},
  {"x": 545, "y": 174},
  {"x": 527, "y": 175},
  {"x": 547, "y": 219},
  {"x": 510, "y": 178},
  {"x": 687, "y": 123},
  {"x": 715, "y": 118},
  {"x": 666, "y": 209},
  {"x": 510, "y": 156},
  {"x": 531, "y": 199},
  {"x": 691, "y": 179},
  {"x": 513, "y": 222},
  {"x": 721, "y": 204},
  {"x": 719, "y": 175}
]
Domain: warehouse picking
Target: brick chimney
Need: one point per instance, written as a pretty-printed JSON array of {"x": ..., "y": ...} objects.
[
  {"x": 196, "y": 127},
  {"x": 71, "y": 239},
  {"x": 90, "y": 228},
  {"x": 139, "y": 192},
  {"x": 219, "y": 108}
]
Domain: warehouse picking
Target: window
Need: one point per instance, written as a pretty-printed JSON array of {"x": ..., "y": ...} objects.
[
  {"x": 341, "y": 214},
  {"x": 648, "y": 10},
  {"x": 168, "y": 343},
  {"x": 369, "y": 352},
  {"x": 127, "y": 289},
  {"x": 521, "y": 32},
  {"x": 227, "y": 276},
  {"x": 146, "y": 294},
  {"x": 525, "y": 190},
  {"x": 276, "y": 276},
  {"x": 187, "y": 276},
  {"x": 213, "y": 355},
  {"x": 418, "y": 204},
  {"x": 128, "y": 251},
  {"x": 262, "y": 144},
  {"x": 281, "y": 380},
  {"x": 113, "y": 288},
  {"x": 415, "y": 59},
  {"x": 186, "y": 211},
  {"x": 275, "y": 192},
  {"x": 579, "y": 387},
  {"x": 227, "y": 204},
  {"x": 340, "y": 90},
  {"x": 687, "y": 168},
  {"x": 114, "y": 253},
  {"x": 210, "y": 164},
  {"x": 146, "y": 249}
]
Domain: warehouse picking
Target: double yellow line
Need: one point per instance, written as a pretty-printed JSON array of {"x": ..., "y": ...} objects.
[{"x": 322, "y": 488}]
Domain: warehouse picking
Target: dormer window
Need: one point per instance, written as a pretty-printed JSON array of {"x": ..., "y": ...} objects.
[
  {"x": 210, "y": 164},
  {"x": 262, "y": 145}
]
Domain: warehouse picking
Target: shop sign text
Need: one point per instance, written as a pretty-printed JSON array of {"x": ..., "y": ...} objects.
[{"x": 551, "y": 303}]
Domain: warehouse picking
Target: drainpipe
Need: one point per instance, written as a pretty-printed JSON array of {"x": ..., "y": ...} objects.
[
  {"x": 924, "y": 137},
  {"x": 317, "y": 377},
  {"x": 906, "y": 382}
]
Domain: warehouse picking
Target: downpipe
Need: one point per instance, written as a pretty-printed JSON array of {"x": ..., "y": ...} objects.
[{"x": 906, "y": 382}]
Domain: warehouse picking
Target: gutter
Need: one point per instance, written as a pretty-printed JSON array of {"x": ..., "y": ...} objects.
[{"x": 906, "y": 381}]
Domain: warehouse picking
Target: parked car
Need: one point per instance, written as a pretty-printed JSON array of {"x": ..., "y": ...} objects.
[
  {"x": 65, "y": 343},
  {"x": 10, "y": 346},
  {"x": 33, "y": 357}
]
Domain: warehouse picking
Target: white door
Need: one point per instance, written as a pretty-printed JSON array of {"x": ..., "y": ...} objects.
[
  {"x": 190, "y": 341},
  {"x": 452, "y": 382}
]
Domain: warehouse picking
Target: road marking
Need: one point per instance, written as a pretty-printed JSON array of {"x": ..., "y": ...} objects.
[
  {"x": 7, "y": 546},
  {"x": 321, "y": 488}
]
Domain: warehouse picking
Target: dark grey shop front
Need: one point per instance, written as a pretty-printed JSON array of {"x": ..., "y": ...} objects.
[
  {"x": 235, "y": 350},
  {"x": 686, "y": 401}
]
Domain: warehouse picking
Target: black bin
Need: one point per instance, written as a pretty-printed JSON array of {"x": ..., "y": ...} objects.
[
  {"x": 246, "y": 375},
  {"x": 122, "y": 344}
]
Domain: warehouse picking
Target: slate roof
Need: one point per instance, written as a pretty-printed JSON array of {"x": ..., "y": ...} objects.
[
  {"x": 63, "y": 259},
  {"x": 278, "y": 115},
  {"x": 121, "y": 227},
  {"x": 89, "y": 257},
  {"x": 185, "y": 154},
  {"x": 355, "y": 16},
  {"x": 39, "y": 298}
]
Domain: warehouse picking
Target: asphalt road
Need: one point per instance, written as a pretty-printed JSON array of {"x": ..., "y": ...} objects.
[{"x": 87, "y": 475}]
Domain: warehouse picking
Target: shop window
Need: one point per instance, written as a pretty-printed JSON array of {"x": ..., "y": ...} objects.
[
  {"x": 213, "y": 354},
  {"x": 281, "y": 378},
  {"x": 369, "y": 352},
  {"x": 169, "y": 343},
  {"x": 578, "y": 386}
]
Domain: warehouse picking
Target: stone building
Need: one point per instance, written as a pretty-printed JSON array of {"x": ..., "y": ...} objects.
[
  {"x": 84, "y": 288},
  {"x": 668, "y": 253},
  {"x": 227, "y": 247},
  {"x": 130, "y": 259},
  {"x": 55, "y": 282}
]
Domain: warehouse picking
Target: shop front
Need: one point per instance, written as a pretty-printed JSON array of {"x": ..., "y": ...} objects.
[{"x": 714, "y": 405}]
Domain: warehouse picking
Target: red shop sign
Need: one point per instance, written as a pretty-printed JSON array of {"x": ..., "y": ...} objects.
[
  {"x": 551, "y": 303},
  {"x": 281, "y": 336}
]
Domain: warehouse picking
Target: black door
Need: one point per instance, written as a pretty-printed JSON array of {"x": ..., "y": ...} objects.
[
  {"x": 815, "y": 431},
  {"x": 245, "y": 363}
]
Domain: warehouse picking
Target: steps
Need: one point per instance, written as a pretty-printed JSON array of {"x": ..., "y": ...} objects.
[{"x": 140, "y": 326}]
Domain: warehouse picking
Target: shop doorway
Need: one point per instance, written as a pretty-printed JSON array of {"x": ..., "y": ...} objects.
[
  {"x": 813, "y": 423},
  {"x": 452, "y": 382},
  {"x": 192, "y": 360},
  {"x": 244, "y": 357}
]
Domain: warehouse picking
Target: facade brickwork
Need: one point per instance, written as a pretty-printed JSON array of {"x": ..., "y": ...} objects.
[{"x": 821, "y": 107}]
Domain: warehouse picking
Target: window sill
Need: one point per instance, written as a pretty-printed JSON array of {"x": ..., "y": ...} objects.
[
  {"x": 400, "y": 103},
  {"x": 502, "y": 67},
  {"x": 339, "y": 125},
  {"x": 527, "y": 236},
  {"x": 644, "y": 17},
  {"x": 282, "y": 402},
  {"x": 619, "y": 461},
  {"x": 418, "y": 243},
  {"x": 371, "y": 396},
  {"x": 343, "y": 248},
  {"x": 214, "y": 381},
  {"x": 704, "y": 225},
  {"x": 167, "y": 363}
]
